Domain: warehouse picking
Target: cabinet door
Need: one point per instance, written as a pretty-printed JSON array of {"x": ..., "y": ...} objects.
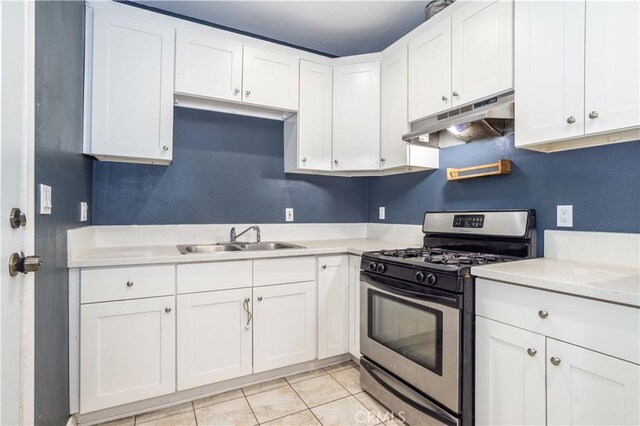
[
  {"x": 127, "y": 351},
  {"x": 430, "y": 71},
  {"x": 354, "y": 305},
  {"x": 131, "y": 88},
  {"x": 333, "y": 306},
  {"x": 612, "y": 62},
  {"x": 284, "y": 325},
  {"x": 589, "y": 388},
  {"x": 356, "y": 117},
  {"x": 482, "y": 50},
  {"x": 270, "y": 79},
  {"x": 208, "y": 67},
  {"x": 510, "y": 375},
  {"x": 549, "y": 71},
  {"x": 314, "y": 116},
  {"x": 394, "y": 121},
  {"x": 214, "y": 337}
]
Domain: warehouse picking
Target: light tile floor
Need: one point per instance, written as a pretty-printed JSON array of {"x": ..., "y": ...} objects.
[{"x": 324, "y": 397}]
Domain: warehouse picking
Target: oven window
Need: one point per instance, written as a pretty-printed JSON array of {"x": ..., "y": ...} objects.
[{"x": 412, "y": 330}]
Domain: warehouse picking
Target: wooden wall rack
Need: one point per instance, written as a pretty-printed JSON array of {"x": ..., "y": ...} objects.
[{"x": 502, "y": 167}]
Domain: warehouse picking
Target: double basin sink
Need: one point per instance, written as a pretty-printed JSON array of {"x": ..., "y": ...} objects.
[{"x": 237, "y": 246}]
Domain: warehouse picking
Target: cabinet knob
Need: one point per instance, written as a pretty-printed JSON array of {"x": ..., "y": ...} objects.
[
  {"x": 236, "y": 91},
  {"x": 543, "y": 314},
  {"x": 165, "y": 148},
  {"x": 335, "y": 161},
  {"x": 593, "y": 114},
  {"x": 129, "y": 283},
  {"x": 532, "y": 352},
  {"x": 555, "y": 360},
  {"x": 382, "y": 160},
  {"x": 571, "y": 120},
  {"x": 304, "y": 159},
  {"x": 455, "y": 94},
  {"x": 324, "y": 266},
  {"x": 247, "y": 92},
  {"x": 167, "y": 310},
  {"x": 259, "y": 298},
  {"x": 444, "y": 98}
]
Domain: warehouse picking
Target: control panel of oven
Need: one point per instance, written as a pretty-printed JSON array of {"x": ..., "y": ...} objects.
[{"x": 468, "y": 221}]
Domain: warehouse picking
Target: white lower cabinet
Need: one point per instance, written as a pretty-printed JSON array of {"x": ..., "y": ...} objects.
[
  {"x": 510, "y": 375},
  {"x": 354, "y": 305},
  {"x": 333, "y": 306},
  {"x": 284, "y": 330},
  {"x": 214, "y": 337},
  {"x": 127, "y": 352},
  {"x": 587, "y": 387}
]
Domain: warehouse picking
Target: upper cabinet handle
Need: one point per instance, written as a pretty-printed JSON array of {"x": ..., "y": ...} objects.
[
  {"x": 543, "y": 314},
  {"x": 532, "y": 352},
  {"x": 444, "y": 98},
  {"x": 593, "y": 114},
  {"x": 129, "y": 283},
  {"x": 236, "y": 91},
  {"x": 324, "y": 266},
  {"x": 247, "y": 92},
  {"x": 455, "y": 94},
  {"x": 165, "y": 148},
  {"x": 571, "y": 120}
]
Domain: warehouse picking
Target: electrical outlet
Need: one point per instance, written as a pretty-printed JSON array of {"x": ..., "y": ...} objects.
[
  {"x": 381, "y": 213},
  {"x": 45, "y": 199},
  {"x": 565, "y": 216},
  {"x": 288, "y": 214},
  {"x": 84, "y": 211}
]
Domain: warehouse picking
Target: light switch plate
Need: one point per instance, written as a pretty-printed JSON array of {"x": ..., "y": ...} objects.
[
  {"x": 45, "y": 199},
  {"x": 84, "y": 211},
  {"x": 288, "y": 214},
  {"x": 381, "y": 213},
  {"x": 565, "y": 217}
]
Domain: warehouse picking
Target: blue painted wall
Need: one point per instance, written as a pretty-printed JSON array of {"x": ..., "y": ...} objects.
[
  {"x": 226, "y": 169},
  {"x": 602, "y": 184},
  {"x": 59, "y": 62}
]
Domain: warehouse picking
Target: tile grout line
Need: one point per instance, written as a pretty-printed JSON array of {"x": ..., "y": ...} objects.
[
  {"x": 195, "y": 416},
  {"x": 249, "y": 404}
]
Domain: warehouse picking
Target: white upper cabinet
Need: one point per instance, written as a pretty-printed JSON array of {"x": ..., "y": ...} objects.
[
  {"x": 430, "y": 71},
  {"x": 333, "y": 306},
  {"x": 129, "y": 85},
  {"x": 393, "y": 102},
  {"x": 482, "y": 50},
  {"x": 270, "y": 78},
  {"x": 315, "y": 116},
  {"x": 356, "y": 117},
  {"x": 208, "y": 66},
  {"x": 612, "y": 59},
  {"x": 549, "y": 70}
]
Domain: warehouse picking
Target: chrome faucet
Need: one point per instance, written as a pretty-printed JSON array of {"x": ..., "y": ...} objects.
[{"x": 233, "y": 236}]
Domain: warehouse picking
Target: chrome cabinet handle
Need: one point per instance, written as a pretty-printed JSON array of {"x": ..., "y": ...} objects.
[
  {"x": 543, "y": 314},
  {"x": 455, "y": 94},
  {"x": 593, "y": 114},
  {"x": 165, "y": 148},
  {"x": 167, "y": 310},
  {"x": 129, "y": 283},
  {"x": 245, "y": 306},
  {"x": 335, "y": 161},
  {"x": 532, "y": 352},
  {"x": 444, "y": 98},
  {"x": 259, "y": 298},
  {"x": 571, "y": 120},
  {"x": 382, "y": 160},
  {"x": 555, "y": 360},
  {"x": 324, "y": 266},
  {"x": 236, "y": 91},
  {"x": 304, "y": 159},
  {"x": 247, "y": 92}
]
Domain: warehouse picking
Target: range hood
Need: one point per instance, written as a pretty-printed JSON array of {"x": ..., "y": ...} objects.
[{"x": 483, "y": 114}]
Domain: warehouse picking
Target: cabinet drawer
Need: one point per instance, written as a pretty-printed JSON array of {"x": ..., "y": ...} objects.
[
  {"x": 101, "y": 285},
  {"x": 214, "y": 276},
  {"x": 604, "y": 327},
  {"x": 285, "y": 270}
]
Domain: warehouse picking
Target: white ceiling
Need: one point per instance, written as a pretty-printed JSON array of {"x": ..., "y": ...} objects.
[{"x": 339, "y": 28}]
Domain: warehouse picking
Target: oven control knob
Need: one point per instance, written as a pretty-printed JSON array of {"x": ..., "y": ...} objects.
[
  {"x": 381, "y": 268},
  {"x": 372, "y": 266},
  {"x": 431, "y": 279},
  {"x": 420, "y": 277}
]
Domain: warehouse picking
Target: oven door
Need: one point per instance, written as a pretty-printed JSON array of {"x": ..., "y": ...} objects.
[{"x": 414, "y": 333}]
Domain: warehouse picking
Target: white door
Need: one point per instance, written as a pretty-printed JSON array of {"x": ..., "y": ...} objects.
[
  {"x": 589, "y": 388},
  {"x": 284, "y": 325},
  {"x": 127, "y": 351},
  {"x": 16, "y": 191},
  {"x": 270, "y": 78},
  {"x": 430, "y": 71},
  {"x": 315, "y": 116},
  {"x": 482, "y": 50},
  {"x": 131, "y": 88},
  {"x": 354, "y": 306},
  {"x": 208, "y": 67},
  {"x": 333, "y": 306},
  {"x": 207, "y": 323},
  {"x": 510, "y": 375},
  {"x": 394, "y": 122},
  {"x": 549, "y": 70},
  {"x": 356, "y": 117},
  {"x": 612, "y": 74}
]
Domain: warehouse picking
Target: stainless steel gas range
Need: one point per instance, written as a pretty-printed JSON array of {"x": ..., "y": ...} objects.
[{"x": 417, "y": 312}]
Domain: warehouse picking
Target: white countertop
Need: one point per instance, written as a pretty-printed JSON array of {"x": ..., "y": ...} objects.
[
  {"x": 146, "y": 255},
  {"x": 610, "y": 283}
]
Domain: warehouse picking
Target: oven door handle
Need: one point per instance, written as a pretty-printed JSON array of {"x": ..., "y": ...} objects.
[
  {"x": 431, "y": 295},
  {"x": 440, "y": 416}
]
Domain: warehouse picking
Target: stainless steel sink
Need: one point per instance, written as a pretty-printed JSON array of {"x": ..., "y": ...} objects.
[
  {"x": 270, "y": 245},
  {"x": 226, "y": 247}
]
